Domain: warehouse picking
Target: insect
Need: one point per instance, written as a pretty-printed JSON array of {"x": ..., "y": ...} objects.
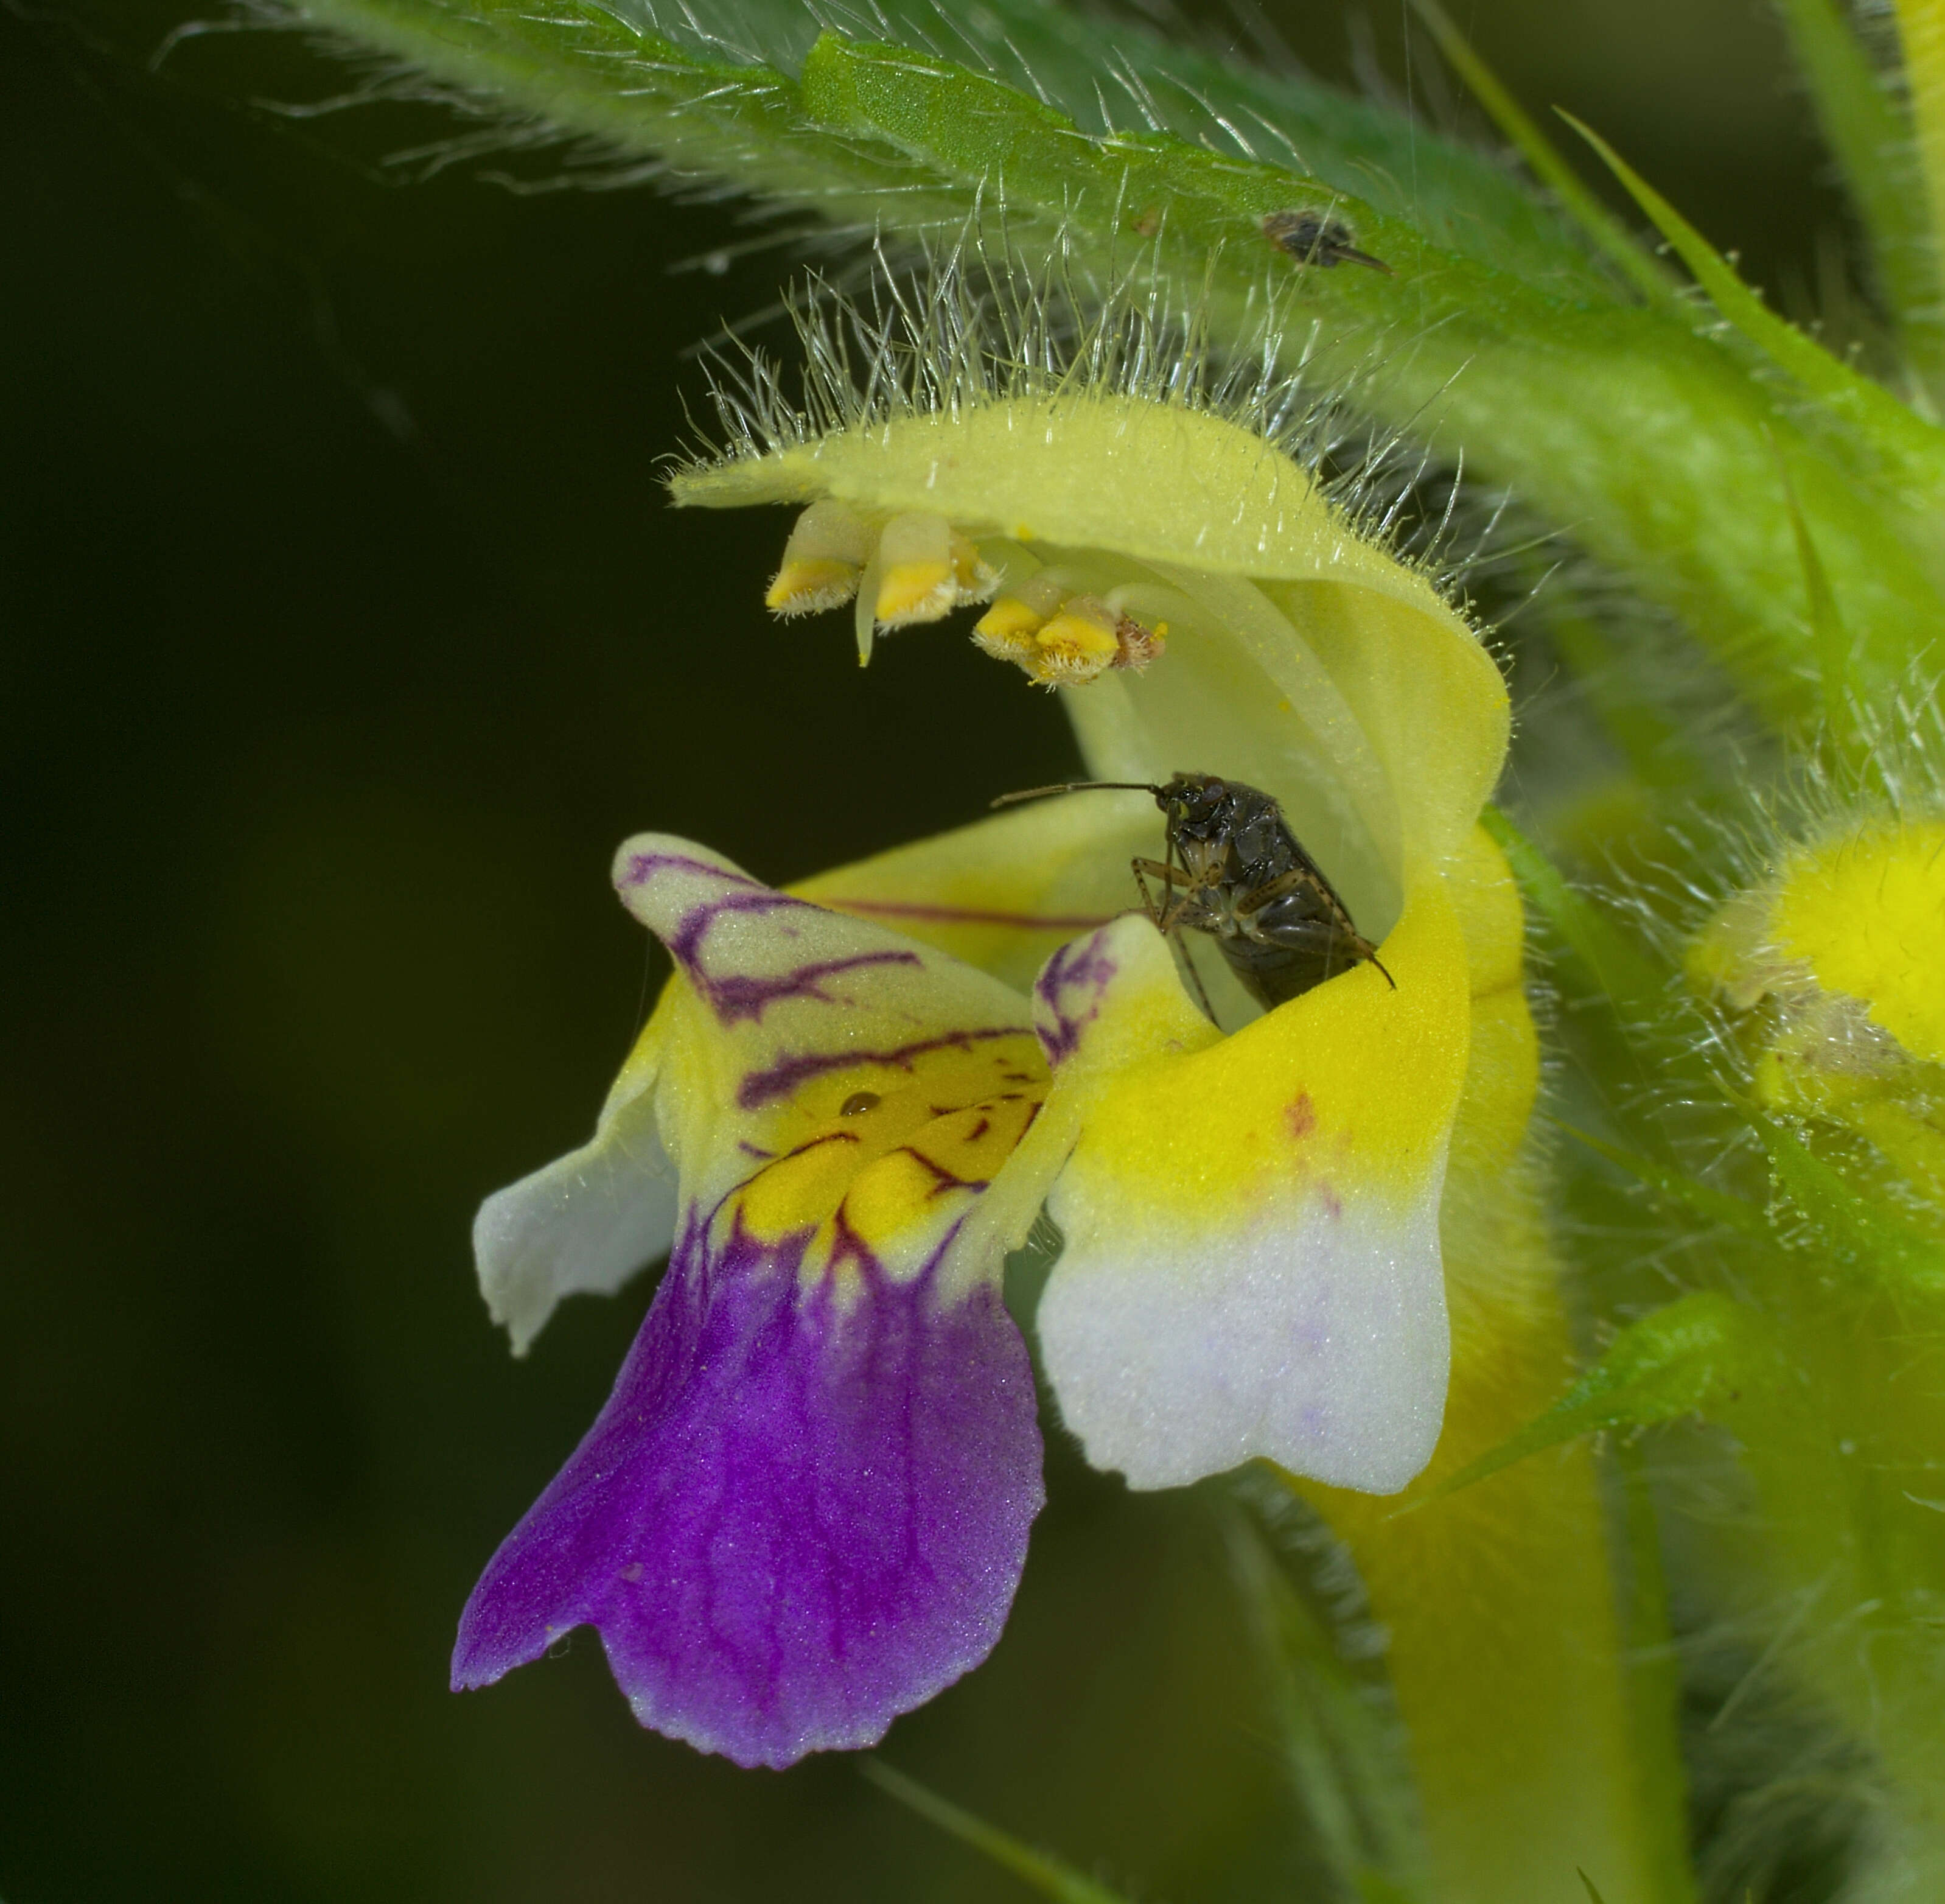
[
  {"x": 1234, "y": 869},
  {"x": 1316, "y": 238}
]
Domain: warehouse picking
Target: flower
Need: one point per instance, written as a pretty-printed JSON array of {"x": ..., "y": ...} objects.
[
  {"x": 805, "y": 1507},
  {"x": 1251, "y": 1262},
  {"x": 1837, "y": 950}
]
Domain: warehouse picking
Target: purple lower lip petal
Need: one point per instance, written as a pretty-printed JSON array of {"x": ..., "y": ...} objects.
[{"x": 801, "y": 1513}]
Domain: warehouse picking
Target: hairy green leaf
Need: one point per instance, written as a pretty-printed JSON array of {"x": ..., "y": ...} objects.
[
  {"x": 1633, "y": 984},
  {"x": 1701, "y": 1348},
  {"x": 1490, "y": 333},
  {"x": 1865, "y": 1234},
  {"x": 1827, "y": 620},
  {"x": 1914, "y": 447},
  {"x": 1131, "y": 80},
  {"x": 1341, "y": 1739},
  {"x": 1872, "y": 137}
]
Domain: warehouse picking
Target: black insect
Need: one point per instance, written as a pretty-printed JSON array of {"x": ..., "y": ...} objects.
[
  {"x": 1235, "y": 870},
  {"x": 1317, "y": 238}
]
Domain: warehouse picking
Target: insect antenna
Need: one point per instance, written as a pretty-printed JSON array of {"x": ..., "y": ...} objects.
[
  {"x": 1380, "y": 964},
  {"x": 1080, "y": 786}
]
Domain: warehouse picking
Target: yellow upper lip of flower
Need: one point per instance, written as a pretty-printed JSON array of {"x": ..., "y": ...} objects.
[
  {"x": 1335, "y": 675},
  {"x": 1119, "y": 472}
]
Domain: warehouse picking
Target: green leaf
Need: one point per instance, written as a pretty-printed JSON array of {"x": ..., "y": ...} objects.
[
  {"x": 582, "y": 70},
  {"x": 1341, "y": 1740},
  {"x": 1864, "y": 1234},
  {"x": 1677, "y": 1187},
  {"x": 1140, "y": 82},
  {"x": 1042, "y": 1872},
  {"x": 1904, "y": 440},
  {"x": 1920, "y": 32},
  {"x": 1633, "y": 984},
  {"x": 1657, "y": 444},
  {"x": 1871, "y": 137},
  {"x": 1827, "y": 621},
  {"x": 1461, "y": 200},
  {"x": 1699, "y": 1349}
]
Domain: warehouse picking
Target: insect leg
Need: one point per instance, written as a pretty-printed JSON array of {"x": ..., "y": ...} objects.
[
  {"x": 1165, "y": 917},
  {"x": 1201, "y": 990},
  {"x": 1299, "y": 879}
]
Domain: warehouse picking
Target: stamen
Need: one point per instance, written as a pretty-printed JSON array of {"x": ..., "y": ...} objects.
[
  {"x": 826, "y": 553},
  {"x": 1062, "y": 640},
  {"x": 918, "y": 580},
  {"x": 977, "y": 578},
  {"x": 1077, "y": 644},
  {"x": 1139, "y": 643},
  {"x": 1006, "y": 631}
]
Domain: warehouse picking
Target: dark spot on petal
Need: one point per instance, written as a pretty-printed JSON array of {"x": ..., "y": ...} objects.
[{"x": 858, "y": 1102}]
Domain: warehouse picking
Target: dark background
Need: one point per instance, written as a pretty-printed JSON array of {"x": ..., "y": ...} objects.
[{"x": 345, "y": 634}]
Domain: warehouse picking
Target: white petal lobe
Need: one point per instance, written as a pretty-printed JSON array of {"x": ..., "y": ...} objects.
[
  {"x": 1317, "y": 1337},
  {"x": 583, "y": 1225}
]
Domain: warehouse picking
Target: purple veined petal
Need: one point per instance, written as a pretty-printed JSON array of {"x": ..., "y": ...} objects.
[{"x": 803, "y": 1510}]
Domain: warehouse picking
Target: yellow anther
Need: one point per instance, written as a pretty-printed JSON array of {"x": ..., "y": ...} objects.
[
  {"x": 1077, "y": 644},
  {"x": 1062, "y": 639},
  {"x": 915, "y": 591},
  {"x": 809, "y": 588},
  {"x": 926, "y": 569},
  {"x": 1006, "y": 630},
  {"x": 1010, "y": 619},
  {"x": 916, "y": 581},
  {"x": 826, "y": 552}
]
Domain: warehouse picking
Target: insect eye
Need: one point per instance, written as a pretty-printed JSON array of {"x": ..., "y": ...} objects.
[{"x": 858, "y": 1102}]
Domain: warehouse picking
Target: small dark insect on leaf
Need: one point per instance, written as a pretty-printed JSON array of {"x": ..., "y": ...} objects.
[
  {"x": 1318, "y": 237},
  {"x": 1235, "y": 870}
]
